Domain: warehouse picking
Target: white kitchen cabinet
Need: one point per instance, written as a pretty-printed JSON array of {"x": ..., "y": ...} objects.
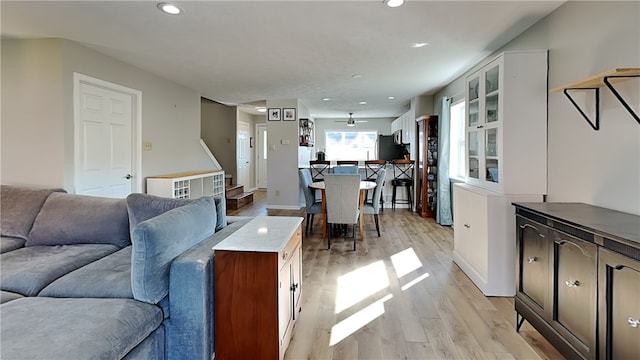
[
  {"x": 484, "y": 232},
  {"x": 187, "y": 185},
  {"x": 506, "y": 124}
]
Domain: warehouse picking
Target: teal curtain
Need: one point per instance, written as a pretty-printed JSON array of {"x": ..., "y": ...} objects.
[{"x": 443, "y": 215}]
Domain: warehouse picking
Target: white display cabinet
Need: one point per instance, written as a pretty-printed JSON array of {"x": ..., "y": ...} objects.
[
  {"x": 506, "y": 124},
  {"x": 506, "y": 161},
  {"x": 187, "y": 185}
]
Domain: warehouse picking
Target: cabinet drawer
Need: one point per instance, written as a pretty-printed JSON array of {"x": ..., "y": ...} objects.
[
  {"x": 533, "y": 261},
  {"x": 575, "y": 290},
  {"x": 289, "y": 249}
]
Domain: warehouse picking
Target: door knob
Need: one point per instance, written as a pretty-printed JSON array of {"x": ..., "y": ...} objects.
[{"x": 128, "y": 176}]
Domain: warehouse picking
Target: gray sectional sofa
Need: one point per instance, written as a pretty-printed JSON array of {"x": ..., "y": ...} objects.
[{"x": 85, "y": 277}]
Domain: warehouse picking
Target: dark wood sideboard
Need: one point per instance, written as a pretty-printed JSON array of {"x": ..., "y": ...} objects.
[{"x": 578, "y": 278}]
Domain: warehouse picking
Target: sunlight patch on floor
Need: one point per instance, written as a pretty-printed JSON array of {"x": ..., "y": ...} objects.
[
  {"x": 360, "y": 284},
  {"x": 405, "y": 262},
  {"x": 356, "y": 321},
  {"x": 414, "y": 281}
]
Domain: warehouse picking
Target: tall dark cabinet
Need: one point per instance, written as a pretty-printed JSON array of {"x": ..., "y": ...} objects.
[
  {"x": 427, "y": 165},
  {"x": 578, "y": 278}
]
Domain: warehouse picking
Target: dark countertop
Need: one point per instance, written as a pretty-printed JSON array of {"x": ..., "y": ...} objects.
[{"x": 601, "y": 221}]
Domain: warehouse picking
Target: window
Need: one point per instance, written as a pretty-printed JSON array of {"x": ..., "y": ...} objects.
[
  {"x": 457, "y": 141},
  {"x": 351, "y": 145}
]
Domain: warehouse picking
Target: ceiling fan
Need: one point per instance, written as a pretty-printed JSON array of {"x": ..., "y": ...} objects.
[{"x": 351, "y": 121}]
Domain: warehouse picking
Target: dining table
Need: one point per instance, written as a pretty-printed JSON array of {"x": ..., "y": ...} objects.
[{"x": 364, "y": 187}]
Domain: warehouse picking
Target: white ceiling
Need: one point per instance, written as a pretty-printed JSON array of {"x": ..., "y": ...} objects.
[{"x": 240, "y": 52}]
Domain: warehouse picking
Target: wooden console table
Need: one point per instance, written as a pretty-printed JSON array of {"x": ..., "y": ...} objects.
[{"x": 258, "y": 286}]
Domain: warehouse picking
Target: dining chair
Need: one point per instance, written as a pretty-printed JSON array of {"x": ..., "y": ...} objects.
[
  {"x": 319, "y": 169},
  {"x": 312, "y": 205},
  {"x": 371, "y": 170},
  {"x": 403, "y": 178},
  {"x": 342, "y": 193},
  {"x": 347, "y": 162},
  {"x": 346, "y": 169},
  {"x": 373, "y": 208}
]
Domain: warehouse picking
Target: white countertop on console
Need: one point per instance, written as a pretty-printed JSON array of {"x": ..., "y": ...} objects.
[{"x": 262, "y": 234}]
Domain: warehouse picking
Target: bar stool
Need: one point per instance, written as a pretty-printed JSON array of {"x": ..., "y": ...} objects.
[
  {"x": 402, "y": 177},
  {"x": 371, "y": 171}
]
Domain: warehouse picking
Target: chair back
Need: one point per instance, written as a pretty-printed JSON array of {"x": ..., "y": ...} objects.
[
  {"x": 342, "y": 193},
  {"x": 347, "y": 162},
  {"x": 377, "y": 192},
  {"x": 305, "y": 181},
  {"x": 342, "y": 170},
  {"x": 403, "y": 169},
  {"x": 319, "y": 169},
  {"x": 372, "y": 168}
]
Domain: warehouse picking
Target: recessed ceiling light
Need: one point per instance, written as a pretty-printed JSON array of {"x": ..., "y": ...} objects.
[
  {"x": 170, "y": 8},
  {"x": 326, "y": 99},
  {"x": 356, "y": 76},
  {"x": 393, "y": 3},
  {"x": 261, "y": 109},
  {"x": 363, "y": 103},
  {"x": 391, "y": 97},
  {"x": 419, "y": 45}
]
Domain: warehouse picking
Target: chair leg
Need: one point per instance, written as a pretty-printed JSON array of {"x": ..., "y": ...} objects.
[
  {"x": 375, "y": 217},
  {"x": 311, "y": 223},
  {"x": 306, "y": 228},
  {"x": 393, "y": 199},
  {"x": 410, "y": 198},
  {"x": 354, "y": 237}
]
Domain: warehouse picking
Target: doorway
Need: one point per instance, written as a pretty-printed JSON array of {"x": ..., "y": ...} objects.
[
  {"x": 107, "y": 120},
  {"x": 261, "y": 156},
  {"x": 243, "y": 151}
]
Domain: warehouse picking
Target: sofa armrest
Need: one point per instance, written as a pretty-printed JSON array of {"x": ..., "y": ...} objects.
[{"x": 189, "y": 328}]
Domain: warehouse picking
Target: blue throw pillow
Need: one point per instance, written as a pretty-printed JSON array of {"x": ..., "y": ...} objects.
[
  {"x": 159, "y": 240},
  {"x": 143, "y": 207}
]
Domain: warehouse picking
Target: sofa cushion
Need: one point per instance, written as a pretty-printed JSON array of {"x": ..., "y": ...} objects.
[
  {"x": 67, "y": 219},
  {"x": 6, "y": 296},
  {"x": 109, "y": 277},
  {"x": 157, "y": 241},
  {"x": 49, "y": 328},
  {"x": 28, "y": 270},
  {"x": 10, "y": 243},
  {"x": 19, "y": 207}
]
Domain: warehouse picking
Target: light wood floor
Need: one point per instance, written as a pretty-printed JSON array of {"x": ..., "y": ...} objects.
[{"x": 403, "y": 299}]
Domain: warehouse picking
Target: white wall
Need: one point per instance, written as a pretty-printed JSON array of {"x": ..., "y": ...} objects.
[
  {"x": 37, "y": 113},
  {"x": 282, "y": 160},
  {"x": 585, "y": 38}
]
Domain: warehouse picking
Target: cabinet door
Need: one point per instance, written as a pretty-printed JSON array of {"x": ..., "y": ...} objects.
[
  {"x": 619, "y": 306},
  {"x": 575, "y": 286},
  {"x": 296, "y": 271},
  {"x": 285, "y": 303},
  {"x": 533, "y": 263}
]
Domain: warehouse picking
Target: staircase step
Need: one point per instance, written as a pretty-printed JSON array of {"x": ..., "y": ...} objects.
[
  {"x": 234, "y": 190},
  {"x": 237, "y": 201}
]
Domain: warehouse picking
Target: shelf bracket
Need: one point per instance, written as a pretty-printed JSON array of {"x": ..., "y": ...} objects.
[
  {"x": 596, "y": 90},
  {"x": 617, "y": 94}
]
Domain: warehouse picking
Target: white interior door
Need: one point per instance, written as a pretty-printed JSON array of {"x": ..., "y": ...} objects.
[
  {"x": 243, "y": 150},
  {"x": 261, "y": 155},
  {"x": 104, "y": 156}
]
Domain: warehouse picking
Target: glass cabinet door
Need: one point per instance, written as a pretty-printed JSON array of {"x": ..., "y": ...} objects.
[
  {"x": 491, "y": 155},
  {"x": 474, "y": 102},
  {"x": 492, "y": 84},
  {"x": 473, "y": 139}
]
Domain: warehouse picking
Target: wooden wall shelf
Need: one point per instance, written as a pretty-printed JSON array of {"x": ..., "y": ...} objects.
[{"x": 594, "y": 83}]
